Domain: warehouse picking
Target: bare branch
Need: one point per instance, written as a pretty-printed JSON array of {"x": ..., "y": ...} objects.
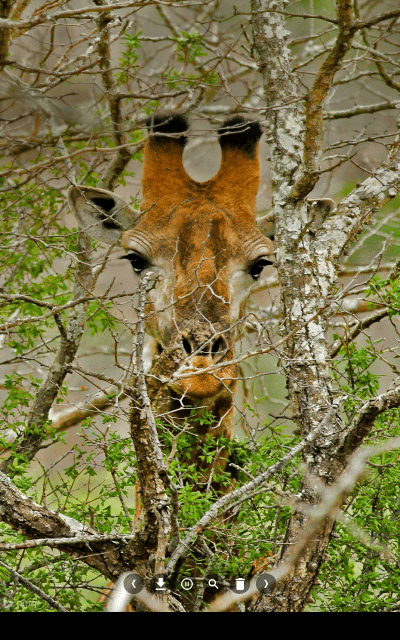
[
  {"x": 358, "y": 111},
  {"x": 56, "y": 542},
  {"x": 365, "y": 24},
  {"x": 315, "y": 98}
]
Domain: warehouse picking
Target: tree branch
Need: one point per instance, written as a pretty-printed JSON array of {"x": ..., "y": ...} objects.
[
  {"x": 122, "y": 156},
  {"x": 361, "y": 426},
  {"x": 35, "y": 521},
  {"x": 314, "y": 102},
  {"x": 361, "y": 110}
]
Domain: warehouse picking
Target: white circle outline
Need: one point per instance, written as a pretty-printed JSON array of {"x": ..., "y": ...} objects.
[{"x": 191, "y": 584}]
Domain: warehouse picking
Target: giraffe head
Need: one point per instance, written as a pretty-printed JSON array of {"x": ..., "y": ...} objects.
[{"x": 200, "y": 238}]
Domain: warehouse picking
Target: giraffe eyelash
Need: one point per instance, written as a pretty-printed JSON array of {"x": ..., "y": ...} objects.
[{"x": 138, "y": 262}]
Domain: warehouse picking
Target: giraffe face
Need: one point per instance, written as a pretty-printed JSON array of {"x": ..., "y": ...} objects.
[{"x": 199, "y": 241}]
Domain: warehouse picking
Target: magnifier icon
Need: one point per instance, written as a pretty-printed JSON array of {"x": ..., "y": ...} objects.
[{"x": 212, "y": 583}]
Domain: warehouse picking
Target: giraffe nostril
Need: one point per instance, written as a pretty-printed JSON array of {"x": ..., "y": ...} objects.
[
  {"x": 186, "y": 346},
  {"x": 215, "y": 348},
  {"x": 218, "y": 347}
]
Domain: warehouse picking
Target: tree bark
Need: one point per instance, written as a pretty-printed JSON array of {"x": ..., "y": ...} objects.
[{"x": 307, "y": 267}]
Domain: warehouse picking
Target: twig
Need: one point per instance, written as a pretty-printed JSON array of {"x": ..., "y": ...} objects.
[
  {"x": 56, "y": 542},
  {"x": 32, "y": 587}
]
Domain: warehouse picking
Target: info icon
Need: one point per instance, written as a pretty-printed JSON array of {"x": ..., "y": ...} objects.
[
  {"x": 239, "y": 585},
  {"x": 265, "y": 583},
  {"x": 133, "y": 583}
]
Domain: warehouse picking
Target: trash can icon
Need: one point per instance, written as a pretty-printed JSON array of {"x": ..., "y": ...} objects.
[{"x": 240, "y": 584}]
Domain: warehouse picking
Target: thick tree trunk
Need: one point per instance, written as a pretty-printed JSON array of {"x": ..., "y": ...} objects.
[{"x": 307, "y": 255}]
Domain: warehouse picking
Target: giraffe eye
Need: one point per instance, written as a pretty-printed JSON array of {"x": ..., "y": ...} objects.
[
  {"x": 137, "y": 261},
  {"x": 257, "y": 266}
]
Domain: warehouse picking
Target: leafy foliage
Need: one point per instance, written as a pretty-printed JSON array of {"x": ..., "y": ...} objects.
[{"x": 362, "y": 572}]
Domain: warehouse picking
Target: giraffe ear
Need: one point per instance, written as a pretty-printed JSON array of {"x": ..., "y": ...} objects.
[
  {"x": 266, "y": 225},
  {"x": 100, "y": 213},
  {"x": 239, "y": 174},
  {"x": 163, "y": 171}
]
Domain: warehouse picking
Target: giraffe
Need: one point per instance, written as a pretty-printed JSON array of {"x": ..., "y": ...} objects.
[{"x": 202, "y": 243}]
